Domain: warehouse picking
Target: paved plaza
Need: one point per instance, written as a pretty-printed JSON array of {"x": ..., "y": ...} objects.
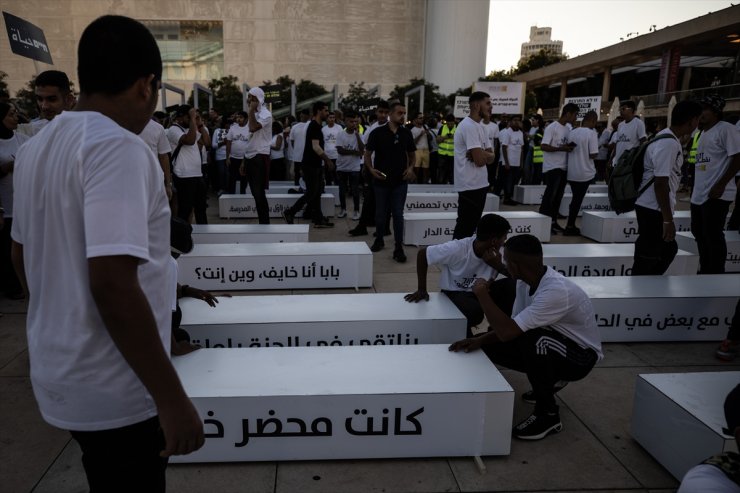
[{"x": 594, "y": 452}]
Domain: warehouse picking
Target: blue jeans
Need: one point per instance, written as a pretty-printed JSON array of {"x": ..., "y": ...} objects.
[{"x": 391, "y": 197}]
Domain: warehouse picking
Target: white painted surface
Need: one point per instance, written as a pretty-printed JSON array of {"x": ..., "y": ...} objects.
[
  {"x": 591, "y": 202},
  {"x": 532, "y": 194},
  {"x": 242, "y": 206},
  {"x": 442, "y": 202},
  {"x": 687, "y": 242},
  {"x": 249, "y": 233},
  {"x": 613, "y": 259},
  {"x": 610, "y": 227}
]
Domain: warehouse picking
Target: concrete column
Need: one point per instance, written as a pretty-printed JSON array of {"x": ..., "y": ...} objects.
[
  {"x": 563, "y": 91},
  {"x": 606, "y": 85},
  {"x": 686, "y": 79}
]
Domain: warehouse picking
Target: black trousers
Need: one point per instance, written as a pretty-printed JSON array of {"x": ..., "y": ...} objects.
[
  {"x": 502, "y": 292},
  {"x": 314, "y": 178},
  {"x": 124, "y": 459},
  {"x": 191, "y": 197},
  {"x": 579, "y": 189},
  {"x": 512, "y": 180},
  {"x": 733, "y": 333},
  {"x": 546, "y": 356},
  {"x": 653, "y": 256},
  {"x": 470, "y": 205},
  {"x": 367, "y": 214},
  {"x": 555, "y": 181},
  {"x": 257, "y": 169},
  {"x": 707, "y": 226},
  {"x": 9, "y": 282}
]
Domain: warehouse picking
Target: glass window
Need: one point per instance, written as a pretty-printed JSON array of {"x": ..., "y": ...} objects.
[{"x": 191, "y": 50}]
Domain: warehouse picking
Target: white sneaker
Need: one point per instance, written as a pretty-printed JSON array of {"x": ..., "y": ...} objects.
[
  {"x": 356, "y": 216},
  {"x": 342, "y": 214}
]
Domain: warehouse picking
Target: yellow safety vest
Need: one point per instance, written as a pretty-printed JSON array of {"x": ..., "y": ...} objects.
[
  {"x": 447, "y": 148},
  {"x": 537, "y": 155},
  {"x": 361, "y": 128},
  {"x": 694, "y": 147}
]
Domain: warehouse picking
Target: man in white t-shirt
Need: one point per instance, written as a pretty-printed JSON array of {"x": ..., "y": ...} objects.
[
  {"x": 656, "y": 247},
  {"x": 331, "y": 130},
  {"x": 255, "y": 168},
  {"x": 492, "y": 133},
  {"x": 53, "y": 96},
  {"x": 155, "y": 137},
  {"x": 470, "y": 160},
  {"x": 99, "y": 314},
  {"x": 552, "y": 335},
  {"x": 581, "y": 169},
  {"x": 297, "y": 139},
  {"x": 717, "y": 163},
  {"x": 187, "y": 165},
  {"x": 237, "y": 138},
  {"x": 555, "y": 151},
  {"x": 350, "y": 149},
  {"x": 630, "y": 133},
  {"x": 422, "y": 137},
  {"x": 462, "y": 262},
  {"x": 512, "y": 142}
]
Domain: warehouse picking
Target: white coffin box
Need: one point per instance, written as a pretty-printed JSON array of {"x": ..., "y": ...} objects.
[
  {"x": 433, "y": 228},
  {"x": 249, "y": 233},
  {"x": 678, "y": 417},
  {"x": 662, "y": 308},
  {"x": 270, "y": 404},
  {"x": 532, "y": 194},
  {"x": 282, "y": 187},
  {"x": 687, "y": 242},
  {"x": 249, "y": 266},
  {"x": 615, "y": 259},
  {"x": 431, "y": 188},
  {"x": 591, "y": 202},
  {"x": 322, "y": 320},
  {"x": 610, "y": 227},
  {"x": 442, "y": 202},
  {"x": 242, "y": 206}
]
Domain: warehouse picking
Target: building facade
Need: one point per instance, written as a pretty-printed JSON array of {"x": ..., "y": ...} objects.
[{"x": 540, "y": 38}]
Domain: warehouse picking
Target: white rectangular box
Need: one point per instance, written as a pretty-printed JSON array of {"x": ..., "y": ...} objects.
[
  {"x": 610, "y": 227},
  {"x": 249, "y": 266},
  {"x": 662, "y": 308},
  {"x": 591, "y": 202},
  {"x": 242, "y": 206},
  {"x": 268, "y": 404},
  {"x": 366, "y": 319},
  {"x": 431, "y": 188},
  {"x": 433, "y": 228},
  {"x": 614, "y": 259},
  {"x": 532, "y": 194},
  {"x": 687, "y": 242},
  {"x": 249, "y": 233},
  {"x": 442, "y": 202},
  {"x": 282, "y": 187},
  {"x": 678, "y": 417}
]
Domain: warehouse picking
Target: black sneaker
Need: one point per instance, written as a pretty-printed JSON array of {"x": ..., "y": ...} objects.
[
  {"x": 377, "y": 246},
  {"x": 324, "y": 225},
  {"x": 358, "y": 231},
  {"x": 510, "y": 202},
  {"x": 288, "y": 216},
  {"x": 528, "y": 396},
  {"x": 537, "y": 427},
  {"x": 399, "y": 256},
  {"x": 572, "y": 231},
  {"x": 557, "y": 227}
]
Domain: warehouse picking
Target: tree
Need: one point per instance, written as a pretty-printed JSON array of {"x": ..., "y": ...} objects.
[
  {"x": 356, "y": 97},
  {"x": 305, "y": 89},
  {"x": 227, "y": 97},
  {"x": 433, "y": 99},
  {"x": 3, "y": 85},
  {"x": 500, "y": 76},
  {"x": 543, "y": 58}
]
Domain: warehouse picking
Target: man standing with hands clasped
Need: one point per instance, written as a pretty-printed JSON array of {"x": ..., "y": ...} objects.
[
  {"x": 256, "y": 164},
  {"x": 395, "y": 158},
  {"x": 99, "y": 281}
]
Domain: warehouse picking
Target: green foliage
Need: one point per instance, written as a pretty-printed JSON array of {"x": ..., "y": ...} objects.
[
  {"x": 541, "y": 59},
  {"x": 3, "y": 84},
  {"x": 25, "y": 99},
  {"x": 227, "y": 96},
  {"x": 434, "y": 101},
  {"x": 356, "y": 97},
  {"x": 500, "y": 76}
]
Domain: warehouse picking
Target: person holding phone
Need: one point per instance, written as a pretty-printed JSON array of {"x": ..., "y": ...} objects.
[{"x": 581, "y": 168}]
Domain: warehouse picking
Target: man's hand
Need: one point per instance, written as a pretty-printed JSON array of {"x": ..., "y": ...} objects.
[
  {"x": 466, "y": 345},
  {"x": 409, "y": 175},
  {"x": 242, "y": 169},
  {"x": 253, "y": 105},
  {"x": 168, "y": 191},
  {"x": 492, "y": 257},
  {"x": 203, "y": 295},
  {"x": 182, "y": 428},
  {"x": 669, "y": 231},
  {"x": 417, "y": 296},
  {"x": 192, "y": 113},
  {"x": 377, "y": 174},
  {"x": 480, "y": 286},
  {"x": 716, "y": 191}
]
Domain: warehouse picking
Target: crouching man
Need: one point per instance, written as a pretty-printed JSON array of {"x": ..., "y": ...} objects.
[{"x": 551, "y": 336}]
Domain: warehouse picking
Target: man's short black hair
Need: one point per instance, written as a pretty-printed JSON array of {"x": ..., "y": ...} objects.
[
  {"x": 491, "y": 226},
  {"x": 450, "y": 118},
  {"x": 318, "y": 106},
  {"x": 685, "y": 111},
  {"x": 182, "y": 110},
  {"x": 395, "y": 105},
  {"x": 478, "y": 96},
  {"x": 628, "y": 104},
  {"x": 525, "y": 245},
  {"x": 305, "y": 111},
  {"x": 114, "y": 52},
  {"x": 350, "y": 114},
  {"x": 383, "y": 105},
  {"x": 242, "y": 113},
  {"x": 53, "y": 78},
  {"x": 591, "y": 115},
  {"x": 570, "y": 108},
  {"x": 160, "y": 114}
]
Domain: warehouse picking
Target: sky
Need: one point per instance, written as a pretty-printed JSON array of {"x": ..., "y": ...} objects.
[{"x": 582, "y": 25}]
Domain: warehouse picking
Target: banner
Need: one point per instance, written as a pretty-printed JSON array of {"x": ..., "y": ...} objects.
[
  {"x": 26, "y": 39},
  {"x": 586, "y": 104},
  {"x": 462, "y": 107},
  {"x": 272, "y": 94},
  {"x": 506, "y": 97}
]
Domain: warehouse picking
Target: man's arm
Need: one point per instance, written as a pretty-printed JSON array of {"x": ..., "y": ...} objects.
[
  {"x": 316, "y": 145},
  {"x": 205, "y": 138},
  {"x": 114, "y": 285},
  {"x": 254, "y": 125},
  {"x": 164, "y": 163},
  {"x": 422, "y": 267},
  {"x": 662, "y": 196},
  {"x": 188, "y": 138},
  {"x": 16, "y": 256},
  {"x": 719, "y": 187},
  {"x": 480, "y": 157},
  {"x": 505, "y": 155}
]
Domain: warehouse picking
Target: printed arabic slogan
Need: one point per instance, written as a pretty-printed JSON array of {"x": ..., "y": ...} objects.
[{"x": 26, "y": 39}]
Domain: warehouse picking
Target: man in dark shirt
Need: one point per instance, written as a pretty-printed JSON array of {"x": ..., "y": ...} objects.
[
  {"x": 313, "y": 173},
  {"x": 395, "y": 157}
]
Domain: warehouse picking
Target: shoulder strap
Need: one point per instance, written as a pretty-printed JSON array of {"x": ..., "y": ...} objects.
[{"x": 652, "y": 180}]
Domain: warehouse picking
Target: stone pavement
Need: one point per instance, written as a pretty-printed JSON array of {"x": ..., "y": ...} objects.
[{"x": 595, "y": 451}]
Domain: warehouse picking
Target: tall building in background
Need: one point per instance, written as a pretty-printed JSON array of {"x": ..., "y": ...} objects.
[{"x": 540, "y": 38}]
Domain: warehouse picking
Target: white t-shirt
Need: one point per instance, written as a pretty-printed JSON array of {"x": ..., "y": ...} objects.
[
  {"x": 560, "y": 304},
  {"x": 239, "y": 138},
  {"x": 714, "y": 155},
  {"x": 423, "y": 143},
  {"x": 204, "y": 149},
  {"x": 662, "y": 158},
  {"x": 706, "y": 478},
  {"x": 219, "y": 136},
  {"x": 555, "y": 135},
  {"x": 298, "y": 139},
  {"x": 628, "y": 135},
  {"x": 189, "y": 159},
  {"x": 8, "y": 152},
  {"x": 580, "y": 165},
  {"x": 459, "y": 264},
  {"x": 154, "y": 136},
  {"x": 88, "y": 188},
  {"x": 280, "y": 153},
  {"x": 604, "y": 144},
  {"x": 514, "y": 141},
  {"x": 330, "y": 140},
  {"x": 259, "y": 142},
  {"x": 348, "y": 141},
  {"x": 492, "y": 133},
  {"x": 469, "y": 135}
]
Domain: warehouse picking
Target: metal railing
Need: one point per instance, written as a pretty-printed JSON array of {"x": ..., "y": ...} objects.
[{"x": 729, "y": 91}]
